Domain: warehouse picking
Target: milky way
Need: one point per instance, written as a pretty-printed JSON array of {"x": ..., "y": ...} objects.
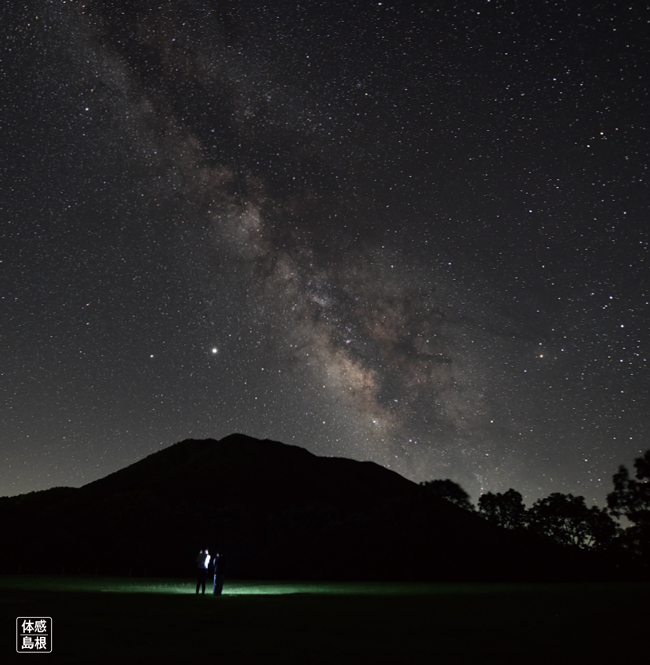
[{"x": 415, "y": 235}]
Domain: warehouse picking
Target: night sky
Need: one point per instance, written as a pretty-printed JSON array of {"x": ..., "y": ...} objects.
[{"x": 414, "y": 233}]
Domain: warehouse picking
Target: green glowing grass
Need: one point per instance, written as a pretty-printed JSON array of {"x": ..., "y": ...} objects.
[
  {"x": 127, "y": 620},
  {"x": 265, "y": 588}
]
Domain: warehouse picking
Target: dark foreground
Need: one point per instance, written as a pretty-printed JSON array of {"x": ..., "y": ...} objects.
[{"x": 156, "y": 621}]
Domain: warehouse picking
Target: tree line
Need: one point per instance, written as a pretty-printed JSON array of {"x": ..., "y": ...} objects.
[{"x": 622, "y": 526}]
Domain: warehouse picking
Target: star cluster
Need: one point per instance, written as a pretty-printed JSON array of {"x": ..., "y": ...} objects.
[{"x": 414, "y": 233}]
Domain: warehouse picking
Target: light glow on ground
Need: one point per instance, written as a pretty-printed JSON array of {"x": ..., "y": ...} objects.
[{"x": 176, "y": 586}]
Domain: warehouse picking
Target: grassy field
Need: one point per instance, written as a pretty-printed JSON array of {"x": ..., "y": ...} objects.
[{"x": 117, "y": 620}]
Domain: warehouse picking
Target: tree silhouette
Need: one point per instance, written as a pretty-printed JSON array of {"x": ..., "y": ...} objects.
[
  {"x": 631, "y": 498},
  {"x": 567, "y": 520},
  {"x": 505, "y": 509},
  {"x": 449, "y": 490}
]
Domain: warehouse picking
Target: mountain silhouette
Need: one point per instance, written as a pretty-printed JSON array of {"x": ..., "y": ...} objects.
[
  {"x": 276, "y": 511},
  {"x": 243, "y": 470}
]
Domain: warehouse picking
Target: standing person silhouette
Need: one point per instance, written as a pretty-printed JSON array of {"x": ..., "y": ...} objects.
[
  {"x": 202, "y": 563},
  {"x": 219, "y": 570}
]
